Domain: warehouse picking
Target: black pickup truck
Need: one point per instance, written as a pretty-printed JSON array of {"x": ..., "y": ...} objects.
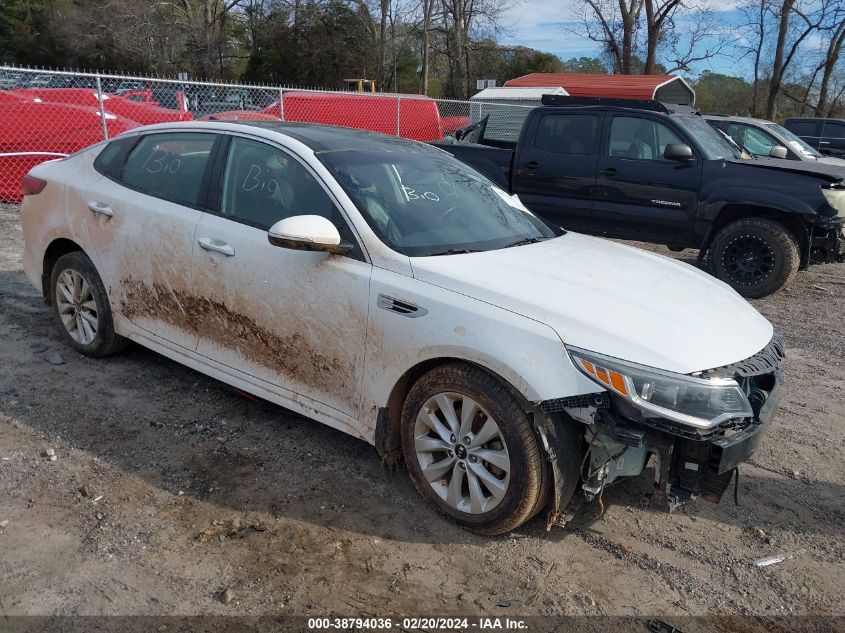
[{"x": 644, "y": 170}]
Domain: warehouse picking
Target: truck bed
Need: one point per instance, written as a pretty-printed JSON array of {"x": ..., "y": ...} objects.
[{"x": 493, "y": 162}]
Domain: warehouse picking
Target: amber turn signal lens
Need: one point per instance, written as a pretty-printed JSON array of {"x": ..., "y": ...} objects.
[{"x": 607, "y": 377}]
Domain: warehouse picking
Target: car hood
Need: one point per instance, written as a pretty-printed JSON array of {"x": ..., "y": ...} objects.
[
  {"x": 823, "y": 169},
  {"x": 835, "y": 165},
  {"x": 612, "y": 299}
]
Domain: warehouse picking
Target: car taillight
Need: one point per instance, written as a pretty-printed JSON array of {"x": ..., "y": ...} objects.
[{"x": 32, "y": 185}]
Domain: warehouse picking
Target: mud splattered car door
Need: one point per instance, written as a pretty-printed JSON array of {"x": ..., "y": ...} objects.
[
  {"x": 292, "y": 319},
  {"x": 144, "y": 214}
]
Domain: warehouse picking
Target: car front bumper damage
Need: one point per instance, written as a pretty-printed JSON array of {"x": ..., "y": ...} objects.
[{"x": 688, "y": 463}]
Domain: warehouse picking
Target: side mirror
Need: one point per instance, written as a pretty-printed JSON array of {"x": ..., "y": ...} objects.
[
  {"x": 678, "y": 152},
  {"x": 308, "y": 233},
  {"x": 778, "y": 151}
]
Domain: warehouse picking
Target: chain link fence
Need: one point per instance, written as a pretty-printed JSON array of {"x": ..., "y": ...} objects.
[{"x": 48, "y": 114}]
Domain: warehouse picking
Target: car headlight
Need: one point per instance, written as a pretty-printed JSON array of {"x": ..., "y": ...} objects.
[
  {"x": 697, "y": 402},
  {"x": 836, "y": 199}
]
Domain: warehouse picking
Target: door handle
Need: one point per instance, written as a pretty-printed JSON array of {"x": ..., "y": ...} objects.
[
  {"x": 531, "y": 164},
  {"x": 608, "y": 171},
  {"x": 217, "y": 246},
  {"x": 101, "y": 208},
  {"x": 824, "y": 142}
]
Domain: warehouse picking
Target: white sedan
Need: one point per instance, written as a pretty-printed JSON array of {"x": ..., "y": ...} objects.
[{"x": 382, "y": 287}]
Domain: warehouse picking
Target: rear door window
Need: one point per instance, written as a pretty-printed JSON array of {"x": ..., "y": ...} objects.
[
  {"x": 568, "y": 134},
  {"x": 170, "y": 166},
  {"x": 834, "y": 129},
  {"x": 803, "y": 128}
]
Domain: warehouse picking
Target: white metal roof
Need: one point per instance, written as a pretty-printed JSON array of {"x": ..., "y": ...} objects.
[{"x": 517, "y": 94}]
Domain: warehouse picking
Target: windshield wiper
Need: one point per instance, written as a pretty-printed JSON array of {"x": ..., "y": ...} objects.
[
  {"x": 527, "y": 240},
  {"x": 453, "y": 251}
]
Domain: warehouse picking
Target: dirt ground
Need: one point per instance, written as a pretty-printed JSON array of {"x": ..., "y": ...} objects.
[{"x": 167, "y": 489}]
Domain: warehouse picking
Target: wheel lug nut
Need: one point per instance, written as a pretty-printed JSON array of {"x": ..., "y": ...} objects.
[
  {"x": 451, "y": 453},
  {"x": 467, "y": 440},
  {"x": 473, "y": 458},
  {"x": 453, "y": 439},
  {"x": 463, "y": 466}
]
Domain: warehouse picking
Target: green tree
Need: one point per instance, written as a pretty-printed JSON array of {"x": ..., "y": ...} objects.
[
  {"x": 26, "y": 33},
  {"x": 591, "y": 65},
  {"x": 313, "y": 45},
  {"x": 638, "y": 66},
  {"x": 722, "y": 94},
  {"x": 522, "y": 61}
]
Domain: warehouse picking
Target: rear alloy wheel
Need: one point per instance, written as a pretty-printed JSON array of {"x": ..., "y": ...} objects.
[
  {"x": 756, "y": 256},
  {"x": 76, "y": 306},
  {"x": 81, "y": 306},
  {"x": 471, "y": 450}
]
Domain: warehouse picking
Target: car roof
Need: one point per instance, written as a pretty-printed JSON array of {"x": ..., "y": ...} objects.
[
  {"x": 319, "y": 138},
  {"x": 740, "y": 119},
  {"x": 814, "y": 118}
]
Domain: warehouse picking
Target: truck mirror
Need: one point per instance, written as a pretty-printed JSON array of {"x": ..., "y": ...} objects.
[{"x": 678, "y": 152}]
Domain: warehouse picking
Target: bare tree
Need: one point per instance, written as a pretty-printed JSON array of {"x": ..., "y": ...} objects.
[
  {"x": 756, "y": 13},
  {"x": 703, "y": 40},
  {"x": 427, "y": 7},
  {"x": 807, "y": 21},
  {"x": 208, "y": 19},
  {"x": 384, "y": 10},
  {"x": 658, "y": 15},
  {"x": 614, "y": 25},
  {"x": 834, "y": 50},
  {"x": 461, "y": 19}
]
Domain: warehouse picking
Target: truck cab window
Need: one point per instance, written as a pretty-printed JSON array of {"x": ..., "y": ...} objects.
[
  {"x": 639, "y": 139},
  {"x": 573, "y": 134}
]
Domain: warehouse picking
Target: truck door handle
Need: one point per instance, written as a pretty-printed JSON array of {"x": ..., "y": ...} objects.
[
  {"x": 608, "y": 171},
  {"x": 824, "y": 142},
  {"x": 217, "y": 246},
  {"x": 531, "y": 164},
  {"x": 101, "y": 208}
]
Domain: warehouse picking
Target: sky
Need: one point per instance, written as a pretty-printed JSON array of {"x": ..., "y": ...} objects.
[{"x": 547, "y": 26}]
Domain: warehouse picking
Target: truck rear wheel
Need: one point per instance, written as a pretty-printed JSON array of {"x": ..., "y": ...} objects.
[{"x": 755, "y": 256}]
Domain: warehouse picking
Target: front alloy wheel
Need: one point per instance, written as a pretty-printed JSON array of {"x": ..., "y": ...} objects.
[
  {"x": 462, "y": 453},
  {"x": 472, "y": 451}
]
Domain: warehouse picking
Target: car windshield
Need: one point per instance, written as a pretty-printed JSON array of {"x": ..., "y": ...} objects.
[
  {"x": 713, "y": 144},
  {"x": 421, "y": 201},
  {"x": 795, "y": 143}
]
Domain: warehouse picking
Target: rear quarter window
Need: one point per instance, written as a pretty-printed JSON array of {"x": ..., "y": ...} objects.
[{"x": 110, "y": 160}]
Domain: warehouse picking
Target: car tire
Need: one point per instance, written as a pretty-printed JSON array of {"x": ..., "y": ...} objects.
[
  {"x": 81, "y": 307},
  {"x": 755, "y": 256},
  {"x": 487, "y": 497}
]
